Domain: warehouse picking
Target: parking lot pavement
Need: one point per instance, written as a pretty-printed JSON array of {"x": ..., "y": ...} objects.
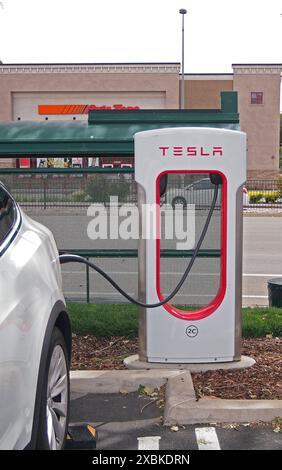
[
  {"x": 262, "y": 260},
  {"x": 132, "y": 422}
]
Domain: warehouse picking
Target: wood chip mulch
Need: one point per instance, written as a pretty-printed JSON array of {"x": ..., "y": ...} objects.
[
  {"x": 90, "y": 352},
  {"x": 261, "y": 381}
]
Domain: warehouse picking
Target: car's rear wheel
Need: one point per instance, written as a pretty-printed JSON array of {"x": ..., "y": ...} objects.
[
  {"x": 54, "y": 407},
  {"x": 179, "y": 201}
]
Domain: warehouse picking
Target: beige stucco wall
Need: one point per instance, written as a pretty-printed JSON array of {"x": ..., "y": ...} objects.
[
  {"x": 164, "y": 84},
  {"x": 260, "y": 122},
  {"x": 146, "y": 85},
  {"x": 151, "y": 86},
  {"x": 205, "y": 94}
]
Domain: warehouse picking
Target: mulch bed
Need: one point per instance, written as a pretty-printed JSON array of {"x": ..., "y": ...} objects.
[
  {"x": 262, "y": 381},
  {"x": 90, "y": 352}
]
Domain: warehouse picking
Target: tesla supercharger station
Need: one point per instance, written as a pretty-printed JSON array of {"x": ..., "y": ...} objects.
[{"x": 212, "y": 332}]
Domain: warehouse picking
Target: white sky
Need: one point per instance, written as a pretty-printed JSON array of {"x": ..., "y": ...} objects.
[{"x": 217, "y": 32}]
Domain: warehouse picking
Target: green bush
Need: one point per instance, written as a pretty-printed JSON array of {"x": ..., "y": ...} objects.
[
  {"x": 255, "y": 198},
  {"x": 101, "y": 187},
  {"x": 96, "y": 189},
  {"x": 79, "y": 196},
  {"x": 270, "y": 199},
  {"x": 279, "y": 185},
  {"x": 268, "y": 196}
]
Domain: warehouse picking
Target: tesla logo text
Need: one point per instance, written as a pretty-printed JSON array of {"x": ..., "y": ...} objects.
[
  {"x": 192, "y": 331},
  {"x": 192, "y": 151}
]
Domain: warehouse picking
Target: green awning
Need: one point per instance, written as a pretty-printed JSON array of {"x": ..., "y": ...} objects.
[{"x": 106, "y": 132}]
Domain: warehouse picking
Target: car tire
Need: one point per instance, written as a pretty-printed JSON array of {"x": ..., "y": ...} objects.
[
  {"x": 178, "y": 200},
  {"x": 55, "y": 396}
]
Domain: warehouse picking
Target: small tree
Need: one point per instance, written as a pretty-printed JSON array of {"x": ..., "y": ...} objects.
[
  {"x": 102, "y": 187},
  {"x": 279, "y": 185}
]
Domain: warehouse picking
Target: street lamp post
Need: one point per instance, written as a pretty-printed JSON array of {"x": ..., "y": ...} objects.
[{"x": 183, "y": 12}]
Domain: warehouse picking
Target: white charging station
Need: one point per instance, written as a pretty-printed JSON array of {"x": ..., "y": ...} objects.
[{"x": 211, "y": 333}]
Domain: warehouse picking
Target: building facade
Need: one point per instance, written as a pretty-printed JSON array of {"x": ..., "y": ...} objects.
[{"x": 68, "y": 91}]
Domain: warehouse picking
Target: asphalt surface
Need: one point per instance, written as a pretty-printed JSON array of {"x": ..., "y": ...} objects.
[
  {"x": 262, "y": 260},
  {"x": 127, "y": 422},
  {"x": 262, "y": 257}
]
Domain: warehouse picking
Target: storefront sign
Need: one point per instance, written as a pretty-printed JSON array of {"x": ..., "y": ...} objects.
[{"x": 46, "y": 109}]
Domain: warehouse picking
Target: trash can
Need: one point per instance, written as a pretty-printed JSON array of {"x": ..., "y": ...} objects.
[{"x": 275, "y": 292}]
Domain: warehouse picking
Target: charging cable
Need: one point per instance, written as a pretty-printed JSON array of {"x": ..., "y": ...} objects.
[{"x": 69, "y": 258}]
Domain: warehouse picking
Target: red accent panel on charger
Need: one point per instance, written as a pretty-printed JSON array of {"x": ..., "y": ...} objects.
[{"x": 215, "y": 303}]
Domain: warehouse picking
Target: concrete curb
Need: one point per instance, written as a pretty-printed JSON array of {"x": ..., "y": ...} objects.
[
  {"x": 112, "y": 381},
  {"x": 181, "y": 407}
]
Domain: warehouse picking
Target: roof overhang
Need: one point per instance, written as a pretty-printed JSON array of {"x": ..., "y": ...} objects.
[
  {"x": 106, "y": 132},
  {"x": 257, "y": 68},
  {"x": 154, "y": 67}
]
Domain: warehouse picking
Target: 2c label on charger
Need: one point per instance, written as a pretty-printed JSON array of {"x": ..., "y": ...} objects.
[{"x": 192, "y": 331}]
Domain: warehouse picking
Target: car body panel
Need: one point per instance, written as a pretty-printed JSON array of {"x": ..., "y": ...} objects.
[{"x": 30, "y": 285}]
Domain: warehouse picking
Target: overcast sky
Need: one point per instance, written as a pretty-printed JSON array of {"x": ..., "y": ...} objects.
[{"x": 217, "y": 32}]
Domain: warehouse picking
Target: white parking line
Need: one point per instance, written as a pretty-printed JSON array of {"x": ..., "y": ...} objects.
[
  {"x": 149, "y": 443},
  {"x": 96, "y": 293},
  {"x": 165, "y": 293},
  {"x": 136, "y": 273},
  {"x": 255, "y": 297},
  {"x": 190, "y": 295},
  {"x": 207, "y": 439},
  {"x": 173, "y": 273},
  {"x": 107, "y": 294},
  {"x": 262, "y": 275}
]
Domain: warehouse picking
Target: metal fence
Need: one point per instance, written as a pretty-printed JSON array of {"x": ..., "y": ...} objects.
[
  {"x": 263, "y": 194},
  {"x": 44, "y": 192},
  {"x": 83, "y": 284},
  {"x": 69, "y": 188},
  {"x": 77, "y": 188}
]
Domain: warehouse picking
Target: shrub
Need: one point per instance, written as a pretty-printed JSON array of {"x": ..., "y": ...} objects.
[
  {"x": 270, "y": 199},
  {"x": 279, "y": 185},
  {"x": 267, "y": 196},
  {"x": 255, "y": 196},
  {"x": 101, "y": 187},
  {"x": 79, "y": 196}
]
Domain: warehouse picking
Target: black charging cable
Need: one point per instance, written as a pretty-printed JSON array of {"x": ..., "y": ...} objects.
[{"x": 69, "y": 258}]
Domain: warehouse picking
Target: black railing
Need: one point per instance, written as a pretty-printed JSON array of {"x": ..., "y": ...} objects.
[
  {"x": 77, "y": 188},
  {"x": 124, "y": 254},
  {"x": 47, "y": 188}
]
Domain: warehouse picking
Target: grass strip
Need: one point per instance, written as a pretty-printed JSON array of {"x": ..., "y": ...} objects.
[{"x": 122, "y": 320}]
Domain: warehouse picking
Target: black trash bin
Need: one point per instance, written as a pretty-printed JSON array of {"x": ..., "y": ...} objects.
[{"x": 275, "y": 292}]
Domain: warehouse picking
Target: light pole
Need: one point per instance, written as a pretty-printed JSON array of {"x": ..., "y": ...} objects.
[{"x": 183, "y": 12}]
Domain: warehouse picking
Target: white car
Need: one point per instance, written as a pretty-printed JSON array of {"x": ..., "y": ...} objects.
[
  {"x": 199, "y": 192},
  {"x": 35, "y": 334}
]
